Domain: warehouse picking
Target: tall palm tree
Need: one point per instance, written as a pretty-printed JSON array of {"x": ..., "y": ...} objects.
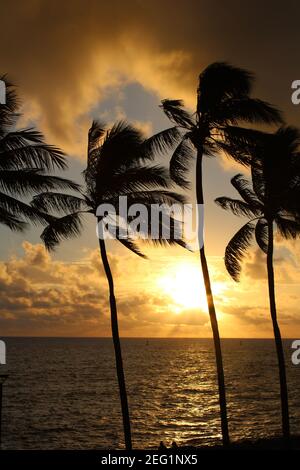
[
  {"x": 115, "y": 167},
  {"x": 223, "y": 102},
  {"x": 25, "y": 162},
  {"x": 271, "y": 199}
]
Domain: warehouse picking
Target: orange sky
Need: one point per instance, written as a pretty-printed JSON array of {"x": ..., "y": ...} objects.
[
  {"x": 117, "y": 60},
  {"x": 162, "y": 296}
]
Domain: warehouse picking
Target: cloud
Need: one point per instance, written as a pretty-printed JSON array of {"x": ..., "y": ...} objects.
[
  {"x": 42, "y": 296},
  {"x": 66, "y": 57},
  {"x": 255, "y": 267},
  {"x": 243, "y": 307},
  {"x": 70, "y": 57},
  {"x": 46, "y": 297},
  {"x": 286, "y": 264}
]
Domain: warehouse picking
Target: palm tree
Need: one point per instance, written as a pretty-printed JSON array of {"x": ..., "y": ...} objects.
[
  {"x": 223, "y": 101},
  {"x": 25, "y": 162},
  {"x": 115, "y": 168},
  {"x": 272, "y": 199}
]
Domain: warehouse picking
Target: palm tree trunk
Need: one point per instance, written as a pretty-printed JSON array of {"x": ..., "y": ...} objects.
[
  {"x": 117, "y": 347},
  {"x": 277, "y": 335},
  {"x": 212, "y": 312}
]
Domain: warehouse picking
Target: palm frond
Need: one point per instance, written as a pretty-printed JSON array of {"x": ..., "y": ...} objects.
[
  {"x": 245, "y": 191},
  {"x": 220, "y": 81},
  {"x": 161, "y": 142},
  {"x": 180, "y": 163},
  {"x": 58, "y": 202},
  {"x": 262, "y": 234},
  {"x": 122, "y": 143},
  {"x": 139, "y": 178},
  {"x": 251, "y": 140},
  {"x": 290, "y": 138},
  {"x": 121, "y": 148},
  {"x": 236, "y": 152},
  {"x": 236, "y": 249},
  {"x": 174, "y": 110},
  {"x": 290, "y": 202},
  {"x": 62, "y": 229},
  {"x": 237, "y": 207},
  {"x": 252, "y": 110},
  {"x": 152, "y": 197},
  {"x": 26, "y": 148},
  {"x": 164, "y": 228},
  {"x": 96, "y": 132},
  {"x": 13, "y": 223},
  {"x": 288, "y": 228},
  {"x": 127, "y": 242},
  {"x": 18, "y": 209},
  {"x": 28, "y": 181},
  {"x": 164, "y": 231},
  {"x": 130, "y": 245},
  {"x": 258, "y": 181}
]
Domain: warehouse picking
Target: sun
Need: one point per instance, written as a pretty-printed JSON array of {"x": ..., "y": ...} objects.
[{"x": 185, "y": 286}]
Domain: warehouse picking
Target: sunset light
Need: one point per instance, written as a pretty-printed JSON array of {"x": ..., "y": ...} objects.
[
  {"x": 150, "y": 229},
  {"x": 186, "y": 288}
]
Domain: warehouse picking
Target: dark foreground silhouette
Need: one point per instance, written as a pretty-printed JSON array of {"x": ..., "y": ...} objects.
[{"x": 269, "y": 443}]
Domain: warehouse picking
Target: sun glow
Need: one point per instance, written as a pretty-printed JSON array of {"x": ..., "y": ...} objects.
[{"x": 186, "y": 288}]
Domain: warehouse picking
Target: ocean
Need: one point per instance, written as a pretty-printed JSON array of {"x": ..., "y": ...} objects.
[{"x": 62, "y": 392}]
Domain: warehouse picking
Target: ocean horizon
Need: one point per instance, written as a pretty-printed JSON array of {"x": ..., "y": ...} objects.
[{"x": 62, "y": 393}]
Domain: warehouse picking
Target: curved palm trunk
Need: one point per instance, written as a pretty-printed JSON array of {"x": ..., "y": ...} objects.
[
  {"x": 277, "y": 335},
  {"x": 212, "y": 313},
  {"x": 117, "y": 347}
]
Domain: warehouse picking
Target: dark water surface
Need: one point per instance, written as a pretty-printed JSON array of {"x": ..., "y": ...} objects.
[{"x": 62, "y": 393}]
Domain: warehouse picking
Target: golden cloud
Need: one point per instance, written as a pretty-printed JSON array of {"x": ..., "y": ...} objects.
[{"x": 42, "y": 296}]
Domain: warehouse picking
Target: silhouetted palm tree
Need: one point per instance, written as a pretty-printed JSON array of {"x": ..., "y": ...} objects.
[
  {"x": 273, "y": 198},
  {"x": 115, "y": 167},
  {"x": 222, "y": 103},
  {"x": 25, "y": 160}
]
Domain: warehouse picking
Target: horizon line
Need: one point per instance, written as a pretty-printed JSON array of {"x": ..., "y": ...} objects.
[{"x": 140, "y": 337}]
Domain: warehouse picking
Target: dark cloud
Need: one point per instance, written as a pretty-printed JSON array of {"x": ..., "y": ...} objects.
[{"x": 64, "y": 55}]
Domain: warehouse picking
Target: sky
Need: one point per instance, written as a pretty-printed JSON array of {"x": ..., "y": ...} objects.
[{"x": 75, "y": 61}]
